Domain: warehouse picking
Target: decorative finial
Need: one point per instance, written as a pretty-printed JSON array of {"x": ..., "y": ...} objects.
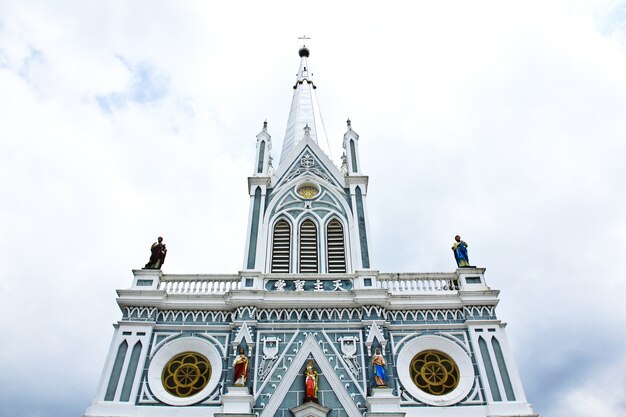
[
  {"x": 344, "y": 164},
  {"x": 304, "y": 51},
  {"x": 265, "y": 125},
  {"x": 349, "y": 123},
  {"x": 307, "y": 130}
]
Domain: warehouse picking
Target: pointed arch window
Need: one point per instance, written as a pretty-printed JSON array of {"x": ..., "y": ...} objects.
[
  {"x": 491, "y": 375},
  {"x": 116, "y": 372},
  {"x": 504, "y": 373},
  {"x": 308, "y": 247},
  {"x": 281, "y": 247},
  {"x": 336, "y": 247}
]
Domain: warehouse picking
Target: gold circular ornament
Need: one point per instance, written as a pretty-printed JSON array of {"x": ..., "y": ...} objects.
[
  {"x": 308, "y": 192},
  {"x": 186, "y": 374},
  {"x": 434, "y": 372}
]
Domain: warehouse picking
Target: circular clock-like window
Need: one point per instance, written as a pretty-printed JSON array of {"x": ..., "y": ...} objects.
[
  {"x": 434, "y": 372},
  {"x": 186, "y": 374},
  {"x": 185, "y": 371},
  {"x": 308, "y": 192}
]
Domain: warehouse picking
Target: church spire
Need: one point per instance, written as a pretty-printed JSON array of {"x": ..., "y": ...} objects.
[{"x": 304, "y": 111}]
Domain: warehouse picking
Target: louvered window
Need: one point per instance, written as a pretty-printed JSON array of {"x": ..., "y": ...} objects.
[
  {"x": 308, "y": 247},
  {"x": 336, "y": 248},
  {"x": 281, "y": 247}
]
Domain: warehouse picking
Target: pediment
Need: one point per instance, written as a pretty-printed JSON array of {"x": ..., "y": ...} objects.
[
  {"x": 309, "y": 348},
  {"x": 308, "y": 159}
]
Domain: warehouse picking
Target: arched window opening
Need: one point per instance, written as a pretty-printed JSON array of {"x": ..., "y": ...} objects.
[
  {"x": 281, "y": 247},
  {"x": 308, "y": 247},
  {"x": 336, "y": 248}
]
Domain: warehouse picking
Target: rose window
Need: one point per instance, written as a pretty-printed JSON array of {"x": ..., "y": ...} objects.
[
  {"x": 307, "y": 192},
  {"x": 434, "y": 372},
  {"x": 186, "y": 374}
]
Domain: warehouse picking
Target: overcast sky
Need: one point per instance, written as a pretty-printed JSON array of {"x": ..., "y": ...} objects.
[{"x": 504, "y": 123}]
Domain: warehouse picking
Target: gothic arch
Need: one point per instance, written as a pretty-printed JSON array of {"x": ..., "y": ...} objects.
[
  {"x": 308, "y": 242},
  {"x": 335, "y": 250},
  {"x": 282, "y": 228},
  {"x": 282, "y": 205}
]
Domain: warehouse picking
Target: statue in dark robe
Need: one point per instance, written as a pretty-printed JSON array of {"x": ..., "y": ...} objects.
[{"x": 157, "y": 255}]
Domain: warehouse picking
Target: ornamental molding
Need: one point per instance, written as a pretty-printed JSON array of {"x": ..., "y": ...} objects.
[
  {"x": 269, "y": 358},
  {"x": 309, "y": 314},
  {"x": 252, "y": 313},
  {"x": 303, "y": 171},
  {"x": 307, "y": 166},
  {"x": 139, "y": 313},
  {"x": 218, "y": 317}
]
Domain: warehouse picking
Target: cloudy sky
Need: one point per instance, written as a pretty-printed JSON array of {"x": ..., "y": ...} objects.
[{"x": 503, "y": 122}]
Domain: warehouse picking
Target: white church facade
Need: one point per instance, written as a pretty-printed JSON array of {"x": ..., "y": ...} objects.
[{"x": 309, "y": 327}]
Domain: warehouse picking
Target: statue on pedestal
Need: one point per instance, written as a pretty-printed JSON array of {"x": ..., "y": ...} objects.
[
  {"x": 157, "y": 255},
  {"x": 310, "y": 382},
  {"x": 379, "y": 363},
  {"x": 460, "y": 252},
  {"x": 241, "y": 369}
]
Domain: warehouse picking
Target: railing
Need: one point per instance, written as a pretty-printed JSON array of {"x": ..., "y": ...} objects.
[
  {"x": 418, "y": 283},
  {"x": 409, "y": 283},
  {"x": 199, "y": 284}
]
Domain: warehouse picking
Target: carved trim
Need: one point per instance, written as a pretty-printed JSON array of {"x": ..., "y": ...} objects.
[{"x": 316, "y": 314}]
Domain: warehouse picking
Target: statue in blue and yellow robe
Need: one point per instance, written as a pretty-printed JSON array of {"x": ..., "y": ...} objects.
[
  {"x": 378, "y": 362},
  {"x": 460, "y": 252}
]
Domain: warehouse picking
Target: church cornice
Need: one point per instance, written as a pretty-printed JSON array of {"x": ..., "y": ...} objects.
[
  {"x": 259, "y": 180},
  {"x": 298, "y": 317}
]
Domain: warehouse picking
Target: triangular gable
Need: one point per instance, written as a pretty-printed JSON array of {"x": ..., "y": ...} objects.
[
  {"x": 375, "y": 334},
  {"x": 310, "y": 347},
  {"x": 295, "y": 155},
  {"x": 243, "y": 335}
]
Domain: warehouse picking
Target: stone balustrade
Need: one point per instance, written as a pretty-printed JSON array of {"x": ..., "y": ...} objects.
[
  {"x": 406, "y": 283},
  {"x": 199, "y": 284},
  {"x": 418, "y": 283}
]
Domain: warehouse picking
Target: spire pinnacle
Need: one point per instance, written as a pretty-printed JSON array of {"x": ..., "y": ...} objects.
[{"x": 304, "y": 111}]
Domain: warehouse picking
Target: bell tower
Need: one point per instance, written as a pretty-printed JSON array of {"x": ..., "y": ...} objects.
[{"x": 307, "y": 216}]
